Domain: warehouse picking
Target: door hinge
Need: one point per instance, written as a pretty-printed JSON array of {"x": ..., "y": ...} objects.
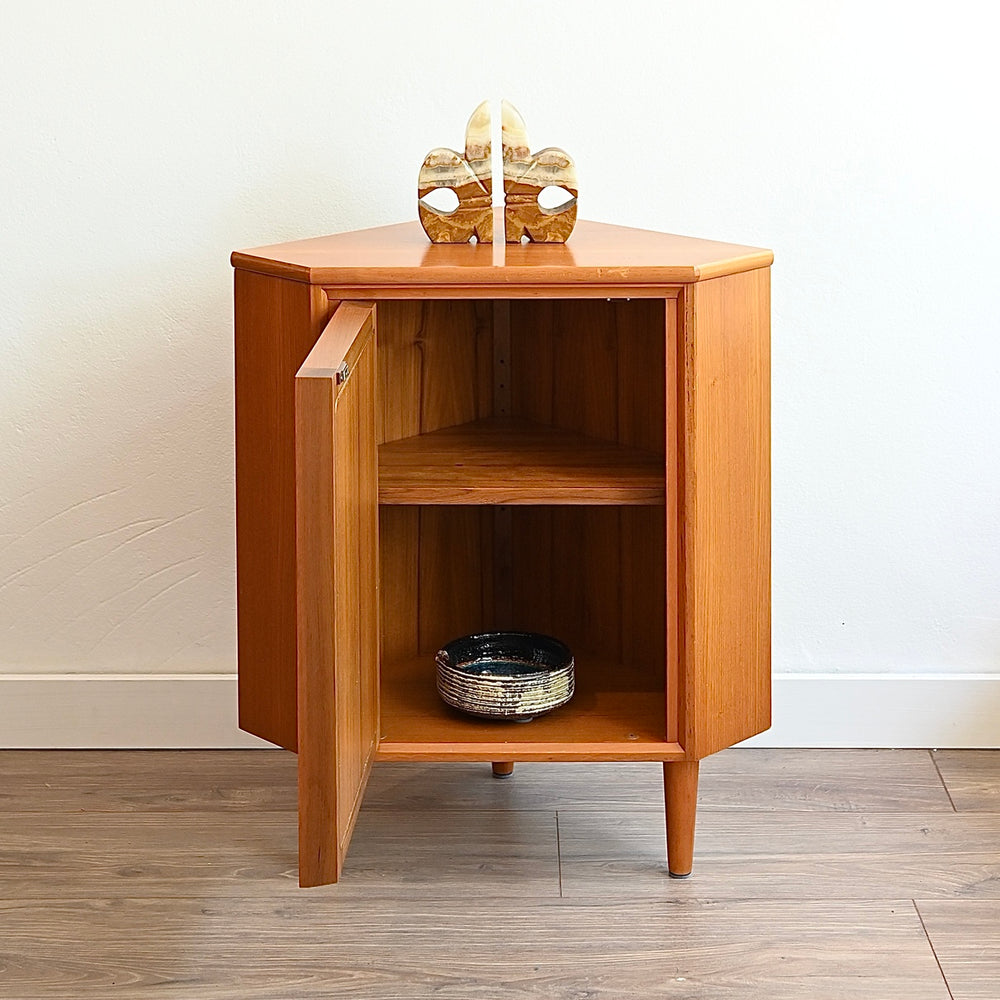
[{"x": 343, "y": 373}]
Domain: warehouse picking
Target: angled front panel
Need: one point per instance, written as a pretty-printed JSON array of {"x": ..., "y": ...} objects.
[
  {"x": 337, "y": 586},
  {"x": 277, "y": 323},
  {"x": 725, "y": 512}
]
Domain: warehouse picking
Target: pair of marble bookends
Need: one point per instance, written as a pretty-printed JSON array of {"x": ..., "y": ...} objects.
[{"x": 525, "y": 176}]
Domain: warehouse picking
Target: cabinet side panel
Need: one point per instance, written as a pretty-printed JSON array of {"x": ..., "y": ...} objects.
[
  {"x": 594, "y": 577},
  {"x": 639, "y": 324},
  {"x": 726, "y": 517},
  {"x": 643, "y": 590},
  {"x": 455, "y": 575},
  {"x": 591, "y": 366},
  {"x": 277, "y": 322},
  {"x": 435, "y": 365},
  {"x": 399, "y": 547}
]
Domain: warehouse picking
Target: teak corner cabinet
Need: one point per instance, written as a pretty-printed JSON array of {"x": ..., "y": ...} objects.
[{"x": 435, "y": 440}]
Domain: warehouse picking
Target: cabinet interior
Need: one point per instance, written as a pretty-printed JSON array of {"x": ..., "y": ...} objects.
[{"x": 521, "y": 484}]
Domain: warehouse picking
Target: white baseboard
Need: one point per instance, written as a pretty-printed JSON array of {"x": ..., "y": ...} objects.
[
  {"x": 884, "y": 710},
  {"x": 158, "y": 711},
  {"x": 148, "y": 711}
]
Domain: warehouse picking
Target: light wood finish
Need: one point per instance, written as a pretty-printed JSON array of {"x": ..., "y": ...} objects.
[
  {"x": 116, "y": 857},
  {"x": 602, "y": 260},
  {"x": 725, "y": 517},
  {"x": 780, "y": 782},
  {"x": 453, "y": 883},
  {"x": 680, "y": 790},
  {"x": 337, "y": 580},
  {"x": 525, "y": 176},
  {"x": 972, "y": 778},
  {"x": 233, "y": 949},
  {"x": 763, "y": 855},
  {"x": 828, "y": 780},
  {"x": 511, "y": 461},
  {"x": 470, "y": 177},
  {"x": 146, "y": 781},
  {"x": 277, "y": 324},
  {"x": 607, "y": 719},
  {"x": 966, "y": 944},
  {"x": 738, "y": 781}
]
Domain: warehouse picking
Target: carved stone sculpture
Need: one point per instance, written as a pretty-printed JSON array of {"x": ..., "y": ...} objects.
[
  {"x": 470, "y": 177},
  {"x": 525, "y": 176}
]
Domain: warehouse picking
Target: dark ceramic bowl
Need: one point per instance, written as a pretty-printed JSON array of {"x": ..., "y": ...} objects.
[{"x": 505, "y": 675}]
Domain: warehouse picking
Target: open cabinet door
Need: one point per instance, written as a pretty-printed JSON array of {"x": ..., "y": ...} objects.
[{"x": 336, "y": 491}]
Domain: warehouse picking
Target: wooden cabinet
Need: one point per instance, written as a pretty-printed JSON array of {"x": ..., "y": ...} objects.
[{"x": 435, "y": 440}]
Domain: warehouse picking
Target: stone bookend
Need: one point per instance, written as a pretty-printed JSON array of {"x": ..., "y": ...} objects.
[
  {"x": 470, "y": 177},
  {"x": 525, "y": 176}
]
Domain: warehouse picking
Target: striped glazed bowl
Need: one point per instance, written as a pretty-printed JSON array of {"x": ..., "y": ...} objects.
[{"x": 505, "y": 675}]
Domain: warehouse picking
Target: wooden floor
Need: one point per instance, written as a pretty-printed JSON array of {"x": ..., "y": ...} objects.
[{"x": 848, "y": 875}]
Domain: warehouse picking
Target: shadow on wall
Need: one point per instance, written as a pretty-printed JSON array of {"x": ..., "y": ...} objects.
[
  {"x": 116, "y": 536},
  {"x": 117, "y": 547}
]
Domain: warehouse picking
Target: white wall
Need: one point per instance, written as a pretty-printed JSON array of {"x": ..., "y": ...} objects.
[{"x": 142, "y": 142}]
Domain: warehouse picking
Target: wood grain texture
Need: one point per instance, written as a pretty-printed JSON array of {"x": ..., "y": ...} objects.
[
  {"x": 822, "y": 780},
  {"x": 399, "y": 582},
  {"x": 597, "y": 368},
  {"x": 671, "y": 602},
  {"x": 758, "y": 780},
  {"x": 337, "y": 585},
  {"x": 674, "y": 580},
  {"x": 255, "y": 948},
  {"x": 146, "y": 781},
  {"x": 972, "y": 778},
  {"x": 738, "y": 780},
  {"x": 511, "y": 461},
  {"x": 804, "y": 883},
  {"x": 276, "y": 324},
  {"x": 966, "y": 941},
  {"x": 437, "y": 577},
  {"x": 726, "y": 543},
  {"x": 210, "y": 855},
  {"x": 775, "y": 855},
  {"x": 397, "y": 260},
  {"x": 575, "y": 578},
  {"x": 680, "y": 792},
  {"x": 435, "y": 366},
  {"x": 454, "y": 588},
  {"x": 605, "y": 720},
  {"x": 586, "y": 575}
]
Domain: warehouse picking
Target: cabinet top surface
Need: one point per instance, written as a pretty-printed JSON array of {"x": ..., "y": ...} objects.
[{"x": 596, "y": 253}]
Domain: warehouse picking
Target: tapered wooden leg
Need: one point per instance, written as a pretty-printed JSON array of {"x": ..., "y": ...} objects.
[
  {"x": 503, "y": 768},
  {"x": 680, "y": 793}
]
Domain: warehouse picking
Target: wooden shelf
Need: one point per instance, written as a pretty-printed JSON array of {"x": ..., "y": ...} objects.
[
  {"x": 597, "y": 724},
  {"x": 510, "y": 461}
]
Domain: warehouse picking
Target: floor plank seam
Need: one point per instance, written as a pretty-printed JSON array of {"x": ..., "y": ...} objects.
[
  {"x": 559, "y": 856},
  {"x": 930, "y": 943},
  {"x": 944, "y": 784}
]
